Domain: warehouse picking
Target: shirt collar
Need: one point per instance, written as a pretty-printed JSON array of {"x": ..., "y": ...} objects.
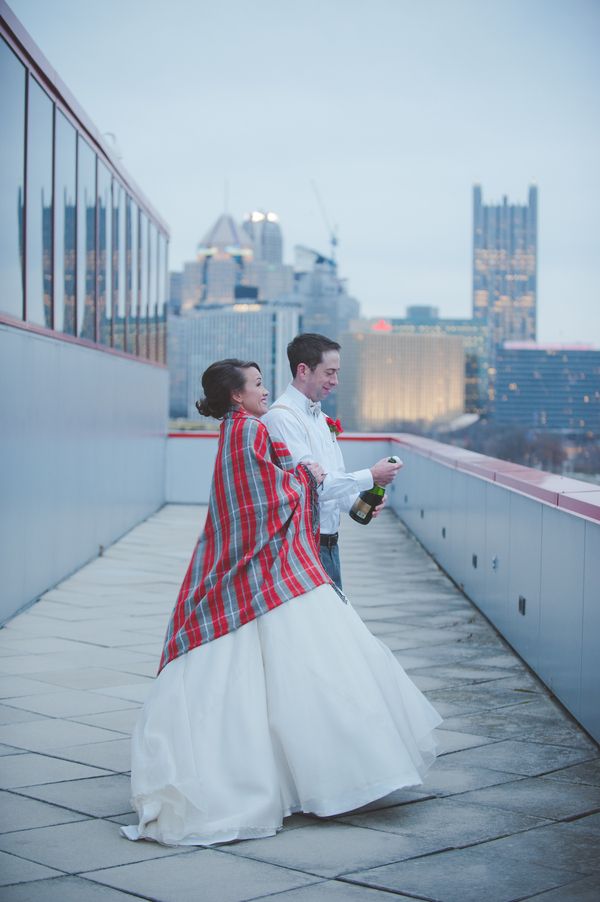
[{"x": 298, "y": 399}]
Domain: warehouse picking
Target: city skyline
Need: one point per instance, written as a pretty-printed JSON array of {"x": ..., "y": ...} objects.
[{"x": 395, "y": 115}]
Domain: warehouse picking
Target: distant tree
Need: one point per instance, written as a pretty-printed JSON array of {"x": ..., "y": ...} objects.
[
  {"x": 588, "y": 459},
  {"x": 548, "y": 452}
]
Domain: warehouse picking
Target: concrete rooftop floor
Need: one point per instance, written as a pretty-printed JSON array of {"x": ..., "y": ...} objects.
[{"x": 511, "y": 809}]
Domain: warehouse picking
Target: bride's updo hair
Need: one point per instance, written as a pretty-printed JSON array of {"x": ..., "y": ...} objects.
[{"x": 219, "y": 382}]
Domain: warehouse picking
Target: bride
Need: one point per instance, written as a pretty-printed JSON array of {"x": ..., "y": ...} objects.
[{"x": 272, "y": 695}]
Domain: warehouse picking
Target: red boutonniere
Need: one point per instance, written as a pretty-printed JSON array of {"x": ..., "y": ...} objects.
[{"x": 335, "y": 426}]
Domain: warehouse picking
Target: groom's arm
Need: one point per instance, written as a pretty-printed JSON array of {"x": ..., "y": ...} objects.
[
  {"x": 284, "y": 427},
  {"x": 338, "y": 485}
]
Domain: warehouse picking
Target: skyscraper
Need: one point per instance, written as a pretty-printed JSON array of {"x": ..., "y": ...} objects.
[
  {"x": 230, "y": 256},
  {"x": 505, "y": 267},
  {"x": 265, "y": 233}
]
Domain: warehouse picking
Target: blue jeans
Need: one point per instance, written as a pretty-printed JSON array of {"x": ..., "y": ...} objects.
[{"x": 330, "y": 558}]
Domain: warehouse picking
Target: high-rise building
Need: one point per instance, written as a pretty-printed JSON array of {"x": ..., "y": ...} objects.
[
  {"x": 246, "y": 330},
  {"x": 505, "y": 267},
  {"x": 550, "y": 387},
  {"x": 175, "y": 298},
  {"x": 327, "y": 307},
  {"x": 390, "y": 380},
  {"x": 230, "y": 256},
  {"x": 265, "y": 233}
]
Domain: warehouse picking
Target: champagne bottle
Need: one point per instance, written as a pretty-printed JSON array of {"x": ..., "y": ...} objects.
[{"x": 362, "y": 509}]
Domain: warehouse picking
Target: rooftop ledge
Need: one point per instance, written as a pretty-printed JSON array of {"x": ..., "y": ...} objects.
[{"x": 573, "y": 495}]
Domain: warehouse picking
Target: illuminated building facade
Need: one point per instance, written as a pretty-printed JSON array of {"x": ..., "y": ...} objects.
[
  {"x": 474, "y": 336},
  {"x": 390, "y": 380},
  {"x": 551, "y": 387},
  {"x": 505, "y": 267}
]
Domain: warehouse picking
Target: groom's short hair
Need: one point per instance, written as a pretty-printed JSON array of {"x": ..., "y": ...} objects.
[{"x": 308, "y": 348}]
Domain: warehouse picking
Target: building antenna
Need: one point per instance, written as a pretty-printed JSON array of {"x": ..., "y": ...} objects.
[{"x": 333, "y": 236}]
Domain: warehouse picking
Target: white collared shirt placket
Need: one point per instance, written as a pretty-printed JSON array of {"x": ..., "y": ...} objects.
[{"x": 308, "y": 437}]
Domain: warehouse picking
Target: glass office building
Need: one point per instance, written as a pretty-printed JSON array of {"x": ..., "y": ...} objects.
[
  {"x": 505, "y": 267},
  {"x": 83, "y": 254},
  {"x": 83, "y": 285},
  {"x": 555, "y": 388}
]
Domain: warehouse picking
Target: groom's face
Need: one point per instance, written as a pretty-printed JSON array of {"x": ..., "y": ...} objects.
[{"x": 321, "y": 381}]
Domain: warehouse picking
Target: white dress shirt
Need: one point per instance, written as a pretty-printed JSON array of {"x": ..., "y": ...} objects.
[{"x": 308, "y": 437}]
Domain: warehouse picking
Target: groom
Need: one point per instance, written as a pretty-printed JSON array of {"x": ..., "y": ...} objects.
[{"x": 296, "y": 420}]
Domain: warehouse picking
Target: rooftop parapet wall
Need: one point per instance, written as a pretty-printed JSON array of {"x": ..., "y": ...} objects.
[{"x": 522, "y": 544}]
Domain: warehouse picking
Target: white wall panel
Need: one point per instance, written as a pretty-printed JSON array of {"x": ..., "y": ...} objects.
[
  {"x": 82, "y": 456},
  {"x": 474, "y": 547},
  {"x": 590, "y": 661},
  {"x": 523, "y": 630},
  {"x": 496, "y": 563},
  {"x": 561, "y": 610}
]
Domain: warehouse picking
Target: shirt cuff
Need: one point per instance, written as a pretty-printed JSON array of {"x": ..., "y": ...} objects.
[{"x": 364, "y": 478}]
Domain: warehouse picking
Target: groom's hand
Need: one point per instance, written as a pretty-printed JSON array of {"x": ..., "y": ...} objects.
[
  {"x": 377, "y": 510},
  {"x": 384, "y": 471}
]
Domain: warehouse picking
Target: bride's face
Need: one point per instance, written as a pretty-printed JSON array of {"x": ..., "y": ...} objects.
[{"x": 253, "y": 396}]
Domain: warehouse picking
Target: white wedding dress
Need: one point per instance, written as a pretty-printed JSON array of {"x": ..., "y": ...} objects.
[{"x": 302, "y": 709}]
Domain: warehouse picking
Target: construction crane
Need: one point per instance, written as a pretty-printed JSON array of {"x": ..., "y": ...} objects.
[{"x": 333, "y": 237}]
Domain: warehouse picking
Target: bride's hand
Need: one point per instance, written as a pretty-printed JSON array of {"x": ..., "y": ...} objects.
[{"x": 317, "y": 470}]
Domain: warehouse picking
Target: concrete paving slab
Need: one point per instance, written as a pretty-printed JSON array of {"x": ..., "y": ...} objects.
[
  {"x": 14, "y": 686},
  {"x": 481, "y": 697},
  {"x": 64, "y": 889},
  {"x": 103, "y": 796},
  {"x": 521, "y": 757},
  {"x": 586, "y": 890},
  {"x": 399, "y": 797},
  {"x": 114, "y": 755},
  {"x": 50, "y": 734},
  {"x": 136, "y": 692},
  {"x": 82, "y": 846},
  {"x": 20, "y": 813},
  {"x": 9, "y": 715},
  {"x": 330, "y": 849},
  {"x": 573, "y": 850},
  {"x": 446, "y": 822},
  {"x": 538, "y": 796},
  {"x": 69, "y": 703},
  {"x": 221, "y": 877},
  {"x": 466, "y": 875},
  {"x": 446, "y": 778},
  {"x": 589, "y": 823},
  {"x": 18, "y": 870},
  {"x": 74, "y": 678},
  {"x": 119, "y": 721},
  {"x": 6, "y": 750},
  {"x": 336, "y": 891},
  {"x": 581, "y": 773},
  {"x": 452, "y": 741},
  {"x": 33, "y": 770}
]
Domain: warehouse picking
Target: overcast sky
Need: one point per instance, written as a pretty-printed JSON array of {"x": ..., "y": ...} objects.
[{"x": 394, "y": 107}]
